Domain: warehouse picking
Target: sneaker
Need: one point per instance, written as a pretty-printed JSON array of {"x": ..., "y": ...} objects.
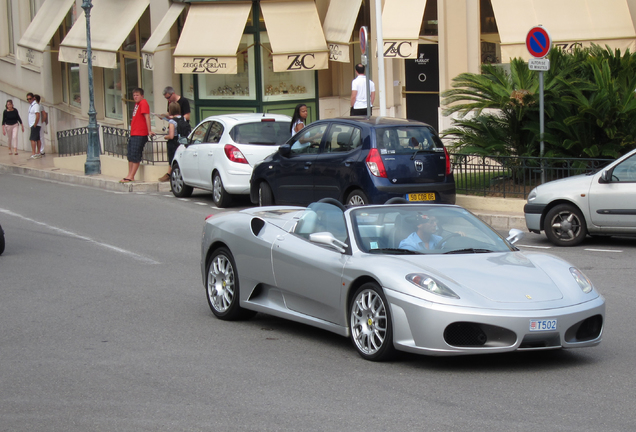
[
  {"x": 42, "y": 153},
  {"x": 32, "y": 156},
  {"x": 164, "y": 178},
  {"x": 37, "y": 156}
]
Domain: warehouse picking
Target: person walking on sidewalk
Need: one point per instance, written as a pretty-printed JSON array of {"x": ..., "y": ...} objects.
[
  {"x": 44, "y": 120},
  {"x": 139, "y": 131},
  {"x": 359, "y": 92},
  {"x": 10, "y": 120},
  {"x": 34, "y": 124},
  {"x": 174, "y": 110}
]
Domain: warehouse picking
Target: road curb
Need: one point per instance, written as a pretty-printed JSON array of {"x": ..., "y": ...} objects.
[{"x": 97, "y": 182}]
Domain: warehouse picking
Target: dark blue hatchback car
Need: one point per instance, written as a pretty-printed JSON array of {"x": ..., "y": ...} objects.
[{"x": 356, "y": 161}]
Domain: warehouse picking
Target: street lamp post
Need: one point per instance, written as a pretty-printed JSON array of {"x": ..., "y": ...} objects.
[{"x": 93, "y": 164}]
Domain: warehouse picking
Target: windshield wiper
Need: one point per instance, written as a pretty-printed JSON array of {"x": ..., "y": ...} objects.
[
  {"x": 396, "y": 251},
  {"x": 467, "y": 250}
]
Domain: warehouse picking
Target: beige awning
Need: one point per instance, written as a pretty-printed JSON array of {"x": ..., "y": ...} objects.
[
  {"x": 210, "y": 38},
  {"x": 569, "y": 22},
  {"x": 160, "y": 32},
  {"x": 111, "y": 23},
  {"x": 338, "y": 25},
  {"x": 401, "y": 23},
  {"x": 296, "y": 36},
  {"x": 41, "y": 30}
]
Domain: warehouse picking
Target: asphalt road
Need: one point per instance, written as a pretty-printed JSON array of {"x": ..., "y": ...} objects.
[{"x": 104, "y": 326}]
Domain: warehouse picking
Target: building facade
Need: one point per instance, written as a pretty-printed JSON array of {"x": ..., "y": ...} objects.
[{"x": 270, "y": 55}]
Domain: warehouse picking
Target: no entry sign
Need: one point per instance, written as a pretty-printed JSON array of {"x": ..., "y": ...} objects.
[{"x": 538, "y": 42}]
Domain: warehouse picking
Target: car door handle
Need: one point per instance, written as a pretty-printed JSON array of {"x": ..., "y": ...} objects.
[
  {"x": 307, "y": 165},
  {"x": 348, "y": 162},
  {"x": 210, "y": 153}
]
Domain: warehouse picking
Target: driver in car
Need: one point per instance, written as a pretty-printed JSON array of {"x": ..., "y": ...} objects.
[{"x": 423, "y": 238}]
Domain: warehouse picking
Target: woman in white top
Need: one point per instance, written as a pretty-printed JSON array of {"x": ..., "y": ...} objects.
[{"x": 298, "y": 119}]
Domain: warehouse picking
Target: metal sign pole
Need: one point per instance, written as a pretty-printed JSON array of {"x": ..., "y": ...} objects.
[{"x": 541, "y": 124}]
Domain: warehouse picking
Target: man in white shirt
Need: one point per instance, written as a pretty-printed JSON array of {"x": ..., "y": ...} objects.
[
  {"x": 359, "y": 92},
  {"x": 34, "y": 124}
]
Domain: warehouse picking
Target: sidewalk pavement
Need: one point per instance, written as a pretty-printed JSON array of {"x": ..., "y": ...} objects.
[{"x": 500, "y": 213}]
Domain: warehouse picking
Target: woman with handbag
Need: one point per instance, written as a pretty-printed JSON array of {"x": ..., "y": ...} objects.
[{"x": 10, "y": 120}]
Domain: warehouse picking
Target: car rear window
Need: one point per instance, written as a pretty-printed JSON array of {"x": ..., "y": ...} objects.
[
  {"x": 405, "y": 139},
  {"x": 262, "y": 132}
]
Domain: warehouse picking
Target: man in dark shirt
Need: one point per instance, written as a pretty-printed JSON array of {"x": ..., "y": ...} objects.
[{"x": 171, "y": 96}]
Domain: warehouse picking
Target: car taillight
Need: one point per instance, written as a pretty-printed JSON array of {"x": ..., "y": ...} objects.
[
  {"x": 208, "y": 216},
  {"x": 375, "y": 164},
  {"x": 234, "y": 154},
  {"x": 448, "y": 162}
]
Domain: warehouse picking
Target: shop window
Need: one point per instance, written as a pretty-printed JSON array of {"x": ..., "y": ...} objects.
[
  {"x": 9, "y": 12},
  {"x": 187, "y": 91},
  {"x": 430, "y": 23},
  {"x": 280, "y": 86},
  {"x": 112, "y": 92},
  {"x": 239, "y": 86},
  {"x": 71, "y": 94}
]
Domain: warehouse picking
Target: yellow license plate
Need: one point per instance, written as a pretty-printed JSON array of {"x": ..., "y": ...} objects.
[{"x": 421, "y": 196}]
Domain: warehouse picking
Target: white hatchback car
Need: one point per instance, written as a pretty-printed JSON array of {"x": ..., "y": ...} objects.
[
  {"x": 221, "y": 151},
  {"x": 601, "y": 203}
]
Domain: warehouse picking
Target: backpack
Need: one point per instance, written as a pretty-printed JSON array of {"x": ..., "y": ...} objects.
[{"x": 183, "y": 127}]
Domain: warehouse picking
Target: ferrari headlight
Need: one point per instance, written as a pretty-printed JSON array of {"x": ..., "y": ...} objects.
[
  {"x": 584, "y": 283},
  {"x": 431, "y": 285}
]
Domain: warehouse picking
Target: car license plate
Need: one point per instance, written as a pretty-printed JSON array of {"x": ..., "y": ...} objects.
[
  {"x": 430, "y": 196},
  {"x": 543, "y": 325}
]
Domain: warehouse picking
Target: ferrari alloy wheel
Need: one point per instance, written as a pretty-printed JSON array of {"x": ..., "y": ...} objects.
[
  {"x": 370, "y": 321},
  {"x": 219, "y": 194},
  {"x": 357, "y": 198},
  {"x": 179, "y": 188},
  {"x": 222, "y": 286},
  {"x": 565, "y": 225}
]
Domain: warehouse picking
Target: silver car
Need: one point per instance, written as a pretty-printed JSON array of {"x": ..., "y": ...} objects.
[
  {"x": 601, "y": 203},
  {"x": 459, "y": 288}
]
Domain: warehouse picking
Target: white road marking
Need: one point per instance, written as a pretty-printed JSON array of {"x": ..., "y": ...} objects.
[
  {"x": 81, "y": 237},
  {"x": 201, "y": 203},
  {"x": 535, "y": 247},
  {"x": 603, "y": 250}
]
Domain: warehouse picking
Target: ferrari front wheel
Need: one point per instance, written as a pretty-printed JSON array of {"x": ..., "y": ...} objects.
[
  {"x": 222, "y": 287},
  {"x": 370, "y": 321}
]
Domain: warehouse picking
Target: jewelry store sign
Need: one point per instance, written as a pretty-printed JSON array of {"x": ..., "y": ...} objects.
[{"x": 206, "y": 65}]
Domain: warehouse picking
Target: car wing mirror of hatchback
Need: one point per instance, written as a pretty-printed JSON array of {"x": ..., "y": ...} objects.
[
  {"x": 606, "y": 177},
  {"x": 183, "y": 140},
  {"x": 285, "y": 150}
]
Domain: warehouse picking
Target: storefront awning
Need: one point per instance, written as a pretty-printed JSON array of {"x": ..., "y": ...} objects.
[
  {"x": 401, "y": 23},
  {"x": 111, "y": 23},
  {"x": 41, "y": 30},
  {"x": 569, "y": 22},
  {"x": 160, "y": 32},
  {"x": 296, "y": 36},
  {"x": 210, "y": 38},
  {"x": 339, "y": 21}
]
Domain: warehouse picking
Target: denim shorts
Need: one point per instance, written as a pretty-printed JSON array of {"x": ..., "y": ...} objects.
[{"x": 136, "y": 147}]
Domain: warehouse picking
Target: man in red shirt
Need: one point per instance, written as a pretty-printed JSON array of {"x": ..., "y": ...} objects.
[{"x": 139, "y": 131}]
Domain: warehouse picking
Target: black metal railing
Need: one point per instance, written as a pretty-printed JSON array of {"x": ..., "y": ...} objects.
[
  {"x": 513, "y": 177},
  {"x": 116, "y": 144},
  {"x": 72, "y": 142}
]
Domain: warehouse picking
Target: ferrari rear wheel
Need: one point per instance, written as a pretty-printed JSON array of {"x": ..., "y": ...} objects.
[
  {"x": 370, "y": 321},
  {"x": 222, "y": 287}
]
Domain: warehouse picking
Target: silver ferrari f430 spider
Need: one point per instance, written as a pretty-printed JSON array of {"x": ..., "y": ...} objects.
[{"x": 422, "y": 278}]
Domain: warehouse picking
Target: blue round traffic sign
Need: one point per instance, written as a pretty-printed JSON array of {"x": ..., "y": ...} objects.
[{"x": 538, "y": 42}]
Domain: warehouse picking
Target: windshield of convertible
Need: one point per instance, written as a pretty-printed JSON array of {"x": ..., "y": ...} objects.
[{"x": 423, "y": 229}]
